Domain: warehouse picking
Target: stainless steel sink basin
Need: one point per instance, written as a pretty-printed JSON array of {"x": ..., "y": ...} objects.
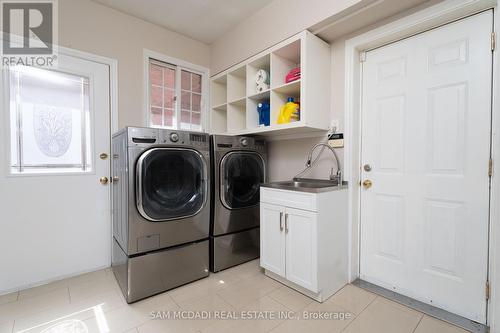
[{"x": 307, "y": 185}]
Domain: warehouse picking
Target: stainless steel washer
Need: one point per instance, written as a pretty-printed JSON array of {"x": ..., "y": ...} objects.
[
  {"x": 161, "y": 210},
  {"x": 239, "y": 167}
]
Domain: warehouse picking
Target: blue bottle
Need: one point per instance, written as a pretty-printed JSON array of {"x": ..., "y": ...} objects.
[{"x": 264, "y": 110}]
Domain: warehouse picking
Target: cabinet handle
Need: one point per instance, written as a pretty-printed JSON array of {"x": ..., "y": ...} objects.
[
  {"x": 281, "y": 221},
  {"x": 286, "y": 222}
]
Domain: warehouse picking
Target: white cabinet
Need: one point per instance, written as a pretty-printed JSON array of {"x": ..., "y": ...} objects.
[
  {"x": 301, "y": 248},
  {"x": 305, "y": 248},
  {"x": 272, "y": 238}
]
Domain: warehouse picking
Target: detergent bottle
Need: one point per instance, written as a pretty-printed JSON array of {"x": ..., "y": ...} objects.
[{"x": 289, "y": 112}]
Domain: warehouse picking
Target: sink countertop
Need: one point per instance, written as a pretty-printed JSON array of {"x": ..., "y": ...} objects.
[{"x": 307, "y": 185}]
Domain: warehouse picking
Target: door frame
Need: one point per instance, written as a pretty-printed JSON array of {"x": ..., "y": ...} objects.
[
  {"x": 355, "y": 48},
  {"x": 113, "y": 109}
]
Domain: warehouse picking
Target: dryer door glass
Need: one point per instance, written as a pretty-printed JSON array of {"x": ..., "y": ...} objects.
[
  {"x": 172, "y": 183},
  {"x": 241, "y": 176}
]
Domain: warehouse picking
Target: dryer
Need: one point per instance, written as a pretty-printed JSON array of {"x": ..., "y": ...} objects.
[
  {"x": 161, "y": 209},
  {"x": 239, "y": 168}
]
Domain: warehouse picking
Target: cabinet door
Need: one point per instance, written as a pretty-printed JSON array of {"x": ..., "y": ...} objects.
[
  {"x": 301, "y": 248},
  {"x": 272, "y": 238}
]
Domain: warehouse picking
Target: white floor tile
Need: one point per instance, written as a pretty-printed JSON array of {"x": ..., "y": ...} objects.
[
  {"x": 353, "y": 298},
  {"x": 292, "y": 299},
  {"x": 384, "y": 316},
  {"x": 432, "y": 325},
  {"x": 25, "y": 307}
]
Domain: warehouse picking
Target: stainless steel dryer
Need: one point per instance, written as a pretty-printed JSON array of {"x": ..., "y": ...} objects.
[
  {"x": 239, "y": 167},
  {"x": 161, "y": 209}
]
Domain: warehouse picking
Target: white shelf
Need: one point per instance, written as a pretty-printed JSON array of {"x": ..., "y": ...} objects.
[
  {"x": 260, "y": 95},
  {"x": 235, "y": 100},
  {"x": 239, "y": 101},
  {"x": 220, "y": 107},
  {"x": 288, "y": 88}
]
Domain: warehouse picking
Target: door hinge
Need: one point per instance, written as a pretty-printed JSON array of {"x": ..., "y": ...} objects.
[
  {"x": 362, "y": 56},
  {"x": 488, "y": 290},
  {"x": 493, "y": 41},
  {"x": 490, "y": 167}
]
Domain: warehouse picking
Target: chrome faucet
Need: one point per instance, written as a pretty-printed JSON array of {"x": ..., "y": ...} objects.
[{"x": 338, "y": 176}]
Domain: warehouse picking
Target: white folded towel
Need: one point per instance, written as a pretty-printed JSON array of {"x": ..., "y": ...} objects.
[
  {"x": 260, "y": 87},
  {"x": 262, "y": 76}
]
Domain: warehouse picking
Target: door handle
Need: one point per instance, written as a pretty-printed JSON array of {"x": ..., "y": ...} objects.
[
  {"x": 281, "y": 221},
  {"x": 367, "y": 184},
  {"x": 103, "y": 180},
  {"x": 103, "y": 156},
  {"x": 286, "y": 223}
]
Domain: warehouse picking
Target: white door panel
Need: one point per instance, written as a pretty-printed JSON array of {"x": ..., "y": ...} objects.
[
  {"x": 272, "y": 238},
  {"x": 426, "y": 135},
  {"x": 301, "y": 248},
  {"x": 55, "y": 220}
]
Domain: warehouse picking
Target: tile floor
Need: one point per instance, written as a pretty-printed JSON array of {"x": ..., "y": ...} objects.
[{"x": 93, "y": 303}]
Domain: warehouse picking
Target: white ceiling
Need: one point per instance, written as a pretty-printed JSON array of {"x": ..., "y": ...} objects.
[{"x": 203, "y": 20}]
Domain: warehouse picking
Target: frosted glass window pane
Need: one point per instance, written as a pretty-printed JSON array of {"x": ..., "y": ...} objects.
[
  {"x": 169, "y": 117},
  {"x": 169, "y": 98},
  {"x": 169, "y": 77},
  {"x": 156, "y": 116},
  {"x": 49, "y": 121},
  {"x": 157, "y": 96},
  {"x": 196, "y": 102},
  {"x": 196, "y": 83},
  {"x": 155, "y": 75},
  {"x": 186, "y": 80},
  {"x": 186, "y": 100}
]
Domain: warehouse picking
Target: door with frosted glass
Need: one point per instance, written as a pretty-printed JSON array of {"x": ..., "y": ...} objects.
[{"x": 53, "y": 177}]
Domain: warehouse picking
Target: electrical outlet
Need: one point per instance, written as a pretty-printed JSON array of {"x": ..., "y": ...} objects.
[{"x": 336, "y": 140}]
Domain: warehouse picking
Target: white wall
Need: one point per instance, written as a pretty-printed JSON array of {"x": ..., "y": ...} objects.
[
  {"x": 94, "y": 28},
  {"x": 270, "y": 25}
]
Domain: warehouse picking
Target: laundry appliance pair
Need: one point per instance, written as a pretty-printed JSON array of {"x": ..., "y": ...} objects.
[{"x": 183, "y": 203}]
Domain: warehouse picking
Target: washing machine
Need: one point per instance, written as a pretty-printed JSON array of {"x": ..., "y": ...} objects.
[
  {"x": 161, "y": 209},
  {"x": 239, "y": 168}
]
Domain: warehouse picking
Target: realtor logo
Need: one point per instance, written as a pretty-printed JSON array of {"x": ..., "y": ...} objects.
[{"x": 29, "y": 32}]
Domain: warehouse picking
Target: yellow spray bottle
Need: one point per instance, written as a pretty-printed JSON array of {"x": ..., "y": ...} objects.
[{"x": 289, "y": 112}]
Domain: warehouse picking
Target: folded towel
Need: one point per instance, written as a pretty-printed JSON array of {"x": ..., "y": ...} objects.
[
  {"x": 262, "y": 76},
  {"x": 260, "y": 87}
]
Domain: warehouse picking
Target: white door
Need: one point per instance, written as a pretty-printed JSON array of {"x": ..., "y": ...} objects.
[
  {"x": 55, "y": 214},
  {"x": 426, "y": 149},
  {"x": 301, "y": 248},
  {"x": 272, "y": 238}
]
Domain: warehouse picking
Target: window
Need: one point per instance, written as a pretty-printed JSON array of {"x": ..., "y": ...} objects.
[
  {"x": 49, "y": 121},
  {"x": 175, "y": 96}
]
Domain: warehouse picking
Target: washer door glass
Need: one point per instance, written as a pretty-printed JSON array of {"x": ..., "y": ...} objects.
[
  {"x": 241, "y": 176},
  {"x": 172, "y": 183}
]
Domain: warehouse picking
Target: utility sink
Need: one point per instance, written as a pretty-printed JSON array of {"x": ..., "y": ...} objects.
[{"x": 307, "y": 185}]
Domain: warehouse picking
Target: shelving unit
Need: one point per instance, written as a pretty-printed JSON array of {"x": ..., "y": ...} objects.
[{"x": 235, "y": 97}]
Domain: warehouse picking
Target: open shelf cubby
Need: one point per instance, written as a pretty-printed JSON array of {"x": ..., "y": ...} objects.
[
  {"x": 235, "y": 96},
  {"x": 253, "y": 67},
  {"x": 282, "y": 61},
  {"x": 236, "y": 84}
]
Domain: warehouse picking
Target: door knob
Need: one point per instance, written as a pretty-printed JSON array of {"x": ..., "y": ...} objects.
[
  {"x": 103, "y": 156},
  {"x": 367, "y": 183},
  {"x": 103, "y": 180}
]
